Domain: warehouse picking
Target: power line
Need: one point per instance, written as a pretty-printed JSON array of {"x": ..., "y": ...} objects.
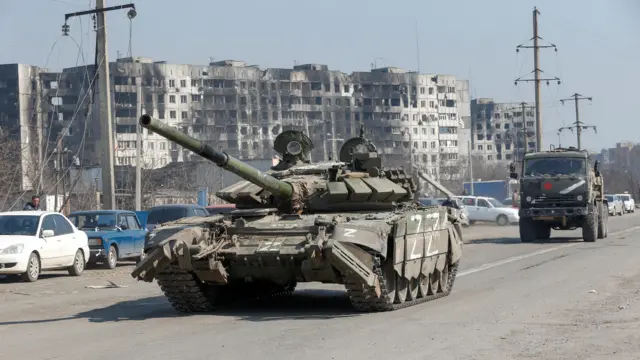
[
  {"x": 578, "y": 125},
  {"x": 537, "y": 71}
]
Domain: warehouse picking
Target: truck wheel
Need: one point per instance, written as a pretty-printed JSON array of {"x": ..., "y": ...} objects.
[
  {"x": 543, "y": 231},
  {"x": 527, "y": 230},
  {"x": 603, "y": 216},
  {"x": 502, "y": 220},
  {"x": 590, "y": 226}
]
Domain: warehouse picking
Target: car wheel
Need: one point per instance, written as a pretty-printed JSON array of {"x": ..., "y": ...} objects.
[
  {"x": 502, "y": 220},
  {"x": 33, "y": 268},
  {"x": 78, "y": 264},
  {"x": 112, "y": 258}
]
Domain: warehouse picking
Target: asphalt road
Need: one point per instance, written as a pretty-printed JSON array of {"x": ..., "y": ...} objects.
[{"x": 564, "y": 299}]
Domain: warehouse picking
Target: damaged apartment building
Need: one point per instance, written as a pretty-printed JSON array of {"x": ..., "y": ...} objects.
[
  {"x": 241, "y": 109},
  {"x": 501, "y": 132},
  {"x": 33, "y": 106}
]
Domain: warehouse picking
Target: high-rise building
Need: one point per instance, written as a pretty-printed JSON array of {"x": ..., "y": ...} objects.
[
  {"x": 500, "y": 132},
  {"x": 240, "y": 109}
]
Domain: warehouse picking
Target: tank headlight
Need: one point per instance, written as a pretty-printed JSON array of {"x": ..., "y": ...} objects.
[
  {"x": 579, "y": 197},
  {"x": 528, "y": 198}
]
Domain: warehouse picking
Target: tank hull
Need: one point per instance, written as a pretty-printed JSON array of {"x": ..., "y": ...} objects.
[{"x": 385, "y": 260}]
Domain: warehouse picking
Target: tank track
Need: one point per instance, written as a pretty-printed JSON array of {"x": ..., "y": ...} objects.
[
  {"x": 365, "y": 299},
  {"x": 187, "y": 294}
]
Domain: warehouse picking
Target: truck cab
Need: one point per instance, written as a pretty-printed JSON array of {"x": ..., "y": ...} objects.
[{"x": 560, "y": 191}]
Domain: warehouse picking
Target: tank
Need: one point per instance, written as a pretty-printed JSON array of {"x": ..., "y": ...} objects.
[{"x": 348, "y": 221}]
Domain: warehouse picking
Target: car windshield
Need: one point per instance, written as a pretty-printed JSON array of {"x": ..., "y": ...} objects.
[
  {"x": 19, "y": 224},
  {"x": 554, "y": 166},
  {"x": 609, "y": 198},
  {"x": 625, "y": 197},
  {"x": 495, "y": 203},
  {"x": 166, "y": 214},
  {"x": 94, "y": 221}
]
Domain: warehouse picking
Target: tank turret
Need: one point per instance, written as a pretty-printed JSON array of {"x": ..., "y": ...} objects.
[{"x": 295, "y": 185}]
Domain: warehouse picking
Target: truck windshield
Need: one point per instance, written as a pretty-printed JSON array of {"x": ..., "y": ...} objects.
[{"x": 554, "y": 166}]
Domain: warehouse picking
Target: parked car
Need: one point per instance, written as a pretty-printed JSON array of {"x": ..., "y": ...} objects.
[
  {"x": 616, "y": 207},
  {"x": 480, "y": 208},
  {"x": 628, "y": 203},
  {"x": 165, "y": 213},
  {"x": 113, "y": 235},
  {"x": 220, "y": 209},
  {"x": 36, "y": 241}
]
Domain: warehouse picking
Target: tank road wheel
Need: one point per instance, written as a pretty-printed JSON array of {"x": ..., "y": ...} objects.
[
  {"x": 434, "y": 282},
  {"x": 527, "y": 230},
  {"x": 444, "y": 278},
  {"x": 414, "y": 289},
  {"x": 423, "y": 286},
  {"x": 602, "y": 221},
  {"x": 590, "y": 226},
  {"x": 402, "y": 289}
]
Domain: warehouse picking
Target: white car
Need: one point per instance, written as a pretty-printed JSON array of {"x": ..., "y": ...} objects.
[
  {"x": 480, "y": 208},
  {"x": 34, "y": 241},
  {"x": 615, "y": 205},
  {"x": 628, "y": 203}
]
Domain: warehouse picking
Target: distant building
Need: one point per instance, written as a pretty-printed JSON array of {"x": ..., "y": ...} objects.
[
  {"x": 240, "y": 108},
  {"x": 500, "y": 132}
]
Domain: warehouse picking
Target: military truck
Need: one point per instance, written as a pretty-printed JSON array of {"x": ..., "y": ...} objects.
[
  {"x": 349, "y": 222},
  {"x": 559, "y": 190}
]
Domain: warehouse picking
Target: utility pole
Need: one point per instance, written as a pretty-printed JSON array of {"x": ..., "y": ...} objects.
[
  {"x": 104, "y": 93},
  {"x": 470, "y": 167},
  {"x": 578, "y": 125},
  {"x": 537, "y": 71},
  {"x": 58, "y": 169},
  {"x": 138, "y": 145}
]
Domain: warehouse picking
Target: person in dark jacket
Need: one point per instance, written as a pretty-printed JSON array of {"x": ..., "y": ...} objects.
[{"x": 34, "y": 204}]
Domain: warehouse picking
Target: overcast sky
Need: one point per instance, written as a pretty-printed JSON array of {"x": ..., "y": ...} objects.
[{"x": 598, "y": 44}]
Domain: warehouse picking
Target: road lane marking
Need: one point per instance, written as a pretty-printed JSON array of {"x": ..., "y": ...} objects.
[{"x": 535, "y": 253}]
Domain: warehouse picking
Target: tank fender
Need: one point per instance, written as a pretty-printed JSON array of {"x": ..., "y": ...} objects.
[
  {"x": 169, "y": 244},
  {"x": 373, "y": 238}
]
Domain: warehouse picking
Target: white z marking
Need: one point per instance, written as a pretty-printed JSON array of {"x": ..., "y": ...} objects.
[
  {"x": 431, "y": 234},
  {"x": 413, "y": 255},
  {"x": 268, "y": 244},
  {"x": 349, "y": 232},
  {"x": 572, "y": 187}
]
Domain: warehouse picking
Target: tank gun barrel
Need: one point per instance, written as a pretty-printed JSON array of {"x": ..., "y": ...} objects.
[{"x": 220, "y": 158}]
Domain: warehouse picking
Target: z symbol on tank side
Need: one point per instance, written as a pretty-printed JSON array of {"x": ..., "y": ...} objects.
[{"x": 349, "y": 232}]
